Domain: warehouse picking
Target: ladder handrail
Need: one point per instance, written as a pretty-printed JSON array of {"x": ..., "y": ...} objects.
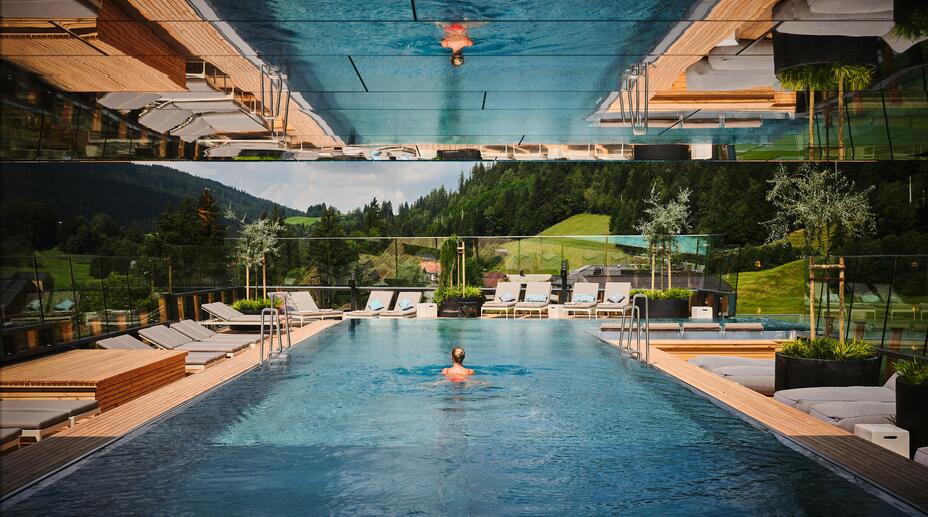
[{"x": 632, "y": 313}]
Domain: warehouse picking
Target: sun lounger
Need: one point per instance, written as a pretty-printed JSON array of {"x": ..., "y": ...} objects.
[
  {"x": 744, "y": 326},
  {"x": 377, "y": 302},
  {"x": 193, "y": 361},
  {"x": 537, "y": 298},
  {"x": 799, "y": 18},
  {"x": 615, "y": 298},
  {"x": 846, "y": 414},
  {"x": 9, "y": 439},
  {"x": 921, "y": 456},
  {"x": 407, "y": 300},
  {"x": 198, "y": 332},
  {"x": 301, "y": 307},
  {"x": 710, "y": 362},
  {"x": 163, "y": 337},
  {"x": 76, "y": 409},
  {"x": 758, "y": 378},
  {"x": 804, "y": 399},
  {"x": 583, "y": 299},
  {"x": 701, "y": 325},
  {"x": 504, "y": 299},
  {"x": 222, "y": 314},
  {"x": 36, "y": 424},
  {"x": 700, "y": 76}
]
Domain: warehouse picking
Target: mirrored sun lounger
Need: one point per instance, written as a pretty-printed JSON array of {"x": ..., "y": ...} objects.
[
  {"x": 223, "y": 314},
  {"x": 377, "y": 303},
  {"x": 198, "y": 332},
  {"x": 407, "y": 300},
  {"x": 504, "y": 299}
]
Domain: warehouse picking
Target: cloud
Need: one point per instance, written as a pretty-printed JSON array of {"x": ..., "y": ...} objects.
[{"x": 346, "y": 185}]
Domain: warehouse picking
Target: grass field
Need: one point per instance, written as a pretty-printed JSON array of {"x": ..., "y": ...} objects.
[
  {"x": 779, "y": 290},
  {"x": 301, "y": 220},
  {"x": 580, "y": 224}
]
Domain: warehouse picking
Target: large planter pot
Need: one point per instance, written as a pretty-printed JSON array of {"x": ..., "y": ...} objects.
[
  {"x": 665, "y": 308},
  {"x": 461, "y": 307},
  {"x": 912, "y": 413},
  {"x": 797, "y": 372},
  {"x": 792, "y": 50}
]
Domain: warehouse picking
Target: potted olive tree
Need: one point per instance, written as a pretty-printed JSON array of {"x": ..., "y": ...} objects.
[
  {"x": 454, "y": 297},
  {"x": 825, "y": 361},
  {"x": 257, "y": 241},
  {"x": 912, "y": 401},
  {"x": 820, "y": 203},
  {"x": 662, "y": 223}
]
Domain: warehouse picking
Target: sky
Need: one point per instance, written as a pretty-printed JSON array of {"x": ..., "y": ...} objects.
[{"x": 346, "y": 185}]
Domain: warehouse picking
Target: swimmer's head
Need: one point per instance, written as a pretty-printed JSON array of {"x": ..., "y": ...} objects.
[
  {"x": 457, "y": 355},
  {"x": 457, "y": 59}
]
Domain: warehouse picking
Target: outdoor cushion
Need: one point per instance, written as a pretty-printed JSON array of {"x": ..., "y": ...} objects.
[
  {"x": 374, "y": 305},
  {"x": 213, "y": 346},
  {"x": 744, "y": 369},
  {"x": 64, "y": 305},
  {"x": 870, "y": 298},
  {"x": 71, "y": 407},
  {"x": 584, "y": 298},
  {"x": 711, "y": 362},
  {"x": 921, "y": 456},
  {"x": 536, "y": 298},
  {"x": 34, "y": 305},
  {"x": 8, "y": 434},
  {"x": 506, "y": 297},
  {"x": 32, "y": 419},
  {"x": 405, "y": 304},
  {"x": 846, "y": 414},
  {"x": 804, "y": 399},
  {"x": 615, "y": 298},
  {"x": 123, "y": 342},
  {"x": 203, "y": 358}
]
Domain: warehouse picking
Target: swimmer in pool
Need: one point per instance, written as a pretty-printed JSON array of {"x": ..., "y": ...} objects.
[
  {"x": 457, "y": 369},
  {"x": 456, "y": 39}
]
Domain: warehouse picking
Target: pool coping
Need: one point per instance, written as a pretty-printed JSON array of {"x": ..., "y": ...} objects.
[
  {"x": 796, "y": 426},
  {"x": 60, "y": 458}
]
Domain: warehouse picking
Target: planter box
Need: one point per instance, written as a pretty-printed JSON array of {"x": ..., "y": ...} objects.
[
  {"x": 665, "y": 308},
  {"x": 912, "y": 413},
  {"x": 461, "y": 307},
  {"x": 792, "y": 50},
  {"x": 797, "y": 372}
]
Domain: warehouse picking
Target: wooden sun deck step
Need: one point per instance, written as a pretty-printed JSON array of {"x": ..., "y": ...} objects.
[
  {"x": 899, "y": 476},
  {"x": 28, "y": 464}
]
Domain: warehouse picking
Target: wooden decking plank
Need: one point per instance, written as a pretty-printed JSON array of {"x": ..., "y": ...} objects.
[
  {"x": 898, "y": 475},
  {"x": 22, "y": 467}
]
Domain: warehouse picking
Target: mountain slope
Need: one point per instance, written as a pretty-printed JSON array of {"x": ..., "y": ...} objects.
[{"x": 133, "y": 194}]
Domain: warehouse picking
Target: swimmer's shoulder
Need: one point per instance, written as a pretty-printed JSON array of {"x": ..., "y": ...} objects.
[
  {"x": 444, "y": 371},
  {"x": 470, "y": 372}
]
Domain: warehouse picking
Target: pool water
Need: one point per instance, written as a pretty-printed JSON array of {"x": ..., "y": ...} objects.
[
  {"x": 376, "y": 73},
  {"x": 358, "y": 421}
]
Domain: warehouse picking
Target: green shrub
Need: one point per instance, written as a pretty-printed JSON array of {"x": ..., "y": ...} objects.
[
  {"x": 828, "y": 348},
  {"x": 254, "y": 305},
  {"x": 443, "y": 293},
  {"x": 676, "y": 293},
  {"x": 913, "y": 372},
  {"x": 914, "y": 26}
]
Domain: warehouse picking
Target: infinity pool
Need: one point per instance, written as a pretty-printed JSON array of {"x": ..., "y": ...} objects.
[{"x": 359, "y": 422}]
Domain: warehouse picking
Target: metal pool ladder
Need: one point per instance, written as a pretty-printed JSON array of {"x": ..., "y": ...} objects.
[
  {"x": 632, "y": 313},
  {"x": 274, "y": 326}
]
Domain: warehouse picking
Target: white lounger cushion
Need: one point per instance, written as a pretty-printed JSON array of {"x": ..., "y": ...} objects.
[
  {"x": 758, "y": 57},
  {"x": 921, "y": 456},
  {"x": 846, "y": 414},
  {"x": 849, "y": 6},
  {"x": 798, "y": 18},
  {"x": 700, "y": 76},
  {"x": 757, "y": 378},
  {"x": 711, "y": 362},
  {"x": 804, "y": 399}
]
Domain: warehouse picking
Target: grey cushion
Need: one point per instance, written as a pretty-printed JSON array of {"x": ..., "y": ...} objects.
[
  {"x": 804, "y": 399},
  {"x": 32, "y": 419},
  {"x": 711, "y": 362},
  {"x": 846, "y": 414},
  {"x": 123, "y": 342},
  {"x": 763, "y": 384},
  {"x": 8, "y": 434},
  {"x": 921, "y": 456},
  {"x": 744, "y": 369},
  {"x": 71, "y": 407},
  {"x": 203, "y": 358},
  {"x": 212, "y": 346}
]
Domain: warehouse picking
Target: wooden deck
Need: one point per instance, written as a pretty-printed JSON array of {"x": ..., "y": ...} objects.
[
  {"x": 899, "y": 476},
  {"x": 22, "y": 467},
  {"x": 112, "y": 377}
]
